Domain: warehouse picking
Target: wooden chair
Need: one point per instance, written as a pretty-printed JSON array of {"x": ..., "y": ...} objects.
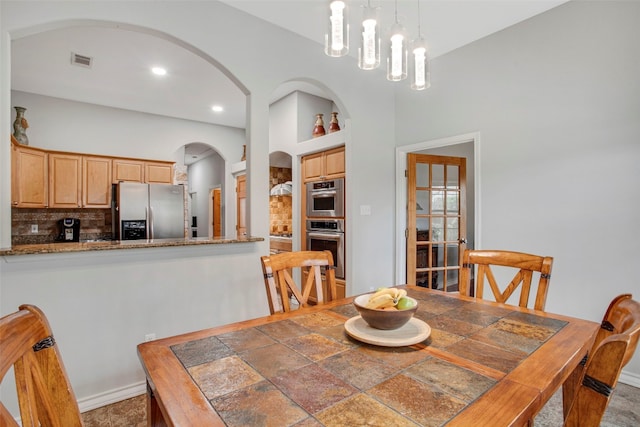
[
  {"x": 44, "y": 392},
  {"x": 278, "y": 270},
  {"x": 526, "y": 265},
  {"x": 587, "y": 392}
]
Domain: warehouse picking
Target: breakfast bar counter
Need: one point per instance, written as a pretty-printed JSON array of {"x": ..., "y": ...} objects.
[{"x": 108, "y": 245}]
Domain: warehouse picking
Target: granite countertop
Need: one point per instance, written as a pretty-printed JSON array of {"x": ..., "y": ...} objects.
[{"x": 52, "y": 248}]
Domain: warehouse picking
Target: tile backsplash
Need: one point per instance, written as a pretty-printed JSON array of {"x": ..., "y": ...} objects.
[
  {"x": 94, "y": 224},
  {"x": 280, "y": 207}
]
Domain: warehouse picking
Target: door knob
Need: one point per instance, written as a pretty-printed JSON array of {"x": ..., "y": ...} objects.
[{"x": 463, "y": 241}]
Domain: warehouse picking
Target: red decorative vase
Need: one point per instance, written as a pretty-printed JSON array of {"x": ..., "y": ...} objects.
[{"x": 318, "y": 129}]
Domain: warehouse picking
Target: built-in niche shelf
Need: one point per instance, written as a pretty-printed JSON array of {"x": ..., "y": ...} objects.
[{"x": 322, "y": 143}]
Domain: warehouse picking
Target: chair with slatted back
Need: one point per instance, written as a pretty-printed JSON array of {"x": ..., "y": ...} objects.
[
  {"x": 279, "y": 270},
  {"x": 44, "y": 392},
  {"x": 525, "y": 265},
  {"x": 587, "y": 392}
]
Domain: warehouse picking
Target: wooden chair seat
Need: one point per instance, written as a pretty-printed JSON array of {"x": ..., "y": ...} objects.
[
  {"x": 524, "y": 264},
  {"x": 279, "y": 271},
  {"x": 44, "y": 392},
  {"x": 587, "y": 392}
]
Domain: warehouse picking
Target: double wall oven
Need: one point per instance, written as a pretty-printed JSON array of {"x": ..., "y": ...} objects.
[{"x": 325, "y": 220}]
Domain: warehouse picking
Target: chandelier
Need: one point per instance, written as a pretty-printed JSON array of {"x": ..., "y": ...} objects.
[{"x": 400, "y": 64}]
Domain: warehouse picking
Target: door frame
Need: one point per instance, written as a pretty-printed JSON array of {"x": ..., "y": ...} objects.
[{"x": 401, "y": 193}]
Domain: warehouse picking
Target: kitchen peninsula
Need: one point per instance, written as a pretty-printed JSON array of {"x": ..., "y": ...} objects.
[{"x": 51, "y": 248}]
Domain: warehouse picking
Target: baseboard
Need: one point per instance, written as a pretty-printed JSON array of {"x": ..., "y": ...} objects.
[
  {"x": 630, "y": 379},
  {"x": 112, "y": 396}
]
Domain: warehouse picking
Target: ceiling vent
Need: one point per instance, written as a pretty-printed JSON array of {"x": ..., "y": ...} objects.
[{"x": 81, "y": 60}]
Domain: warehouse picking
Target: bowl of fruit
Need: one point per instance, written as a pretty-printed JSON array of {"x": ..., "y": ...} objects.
[{"x": 387, "y": 308}]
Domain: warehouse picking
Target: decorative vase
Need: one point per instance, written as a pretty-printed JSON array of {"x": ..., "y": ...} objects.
[
  {"x": 20, "y": 126},
  {"x": 318, "y": 130},
  {"x": 333, "y": 124},
  {"x": 244, "y": 153}
]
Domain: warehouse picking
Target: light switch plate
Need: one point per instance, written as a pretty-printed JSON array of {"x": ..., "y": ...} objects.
[
  {"x": 365, "y": 210},
  {"x": 34, "y": 228}
]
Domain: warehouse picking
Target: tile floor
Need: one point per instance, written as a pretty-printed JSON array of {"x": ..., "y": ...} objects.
[{"x": 622, "y": 411}]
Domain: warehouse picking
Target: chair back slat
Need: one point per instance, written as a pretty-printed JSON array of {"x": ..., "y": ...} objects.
[
  {"x": 524, "y": 264},
  {"x": 280, "y": 284},
  {"x": 45, "y": 396},
  {"x": 587, "y": 393}
]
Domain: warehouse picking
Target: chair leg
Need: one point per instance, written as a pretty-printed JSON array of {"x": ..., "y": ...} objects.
[{"x": 569, "y": 389}]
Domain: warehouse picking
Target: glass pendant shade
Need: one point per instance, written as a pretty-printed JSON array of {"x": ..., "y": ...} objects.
[
  {"x": 398, "y": 54},
  {"x": 369, "y": 51},
  {"x": 336, "y": 41},
  {"x": 420, "y": 75}
]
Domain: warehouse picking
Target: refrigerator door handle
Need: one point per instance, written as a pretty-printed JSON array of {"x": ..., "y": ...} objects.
[{"x": 149, "y": 215}]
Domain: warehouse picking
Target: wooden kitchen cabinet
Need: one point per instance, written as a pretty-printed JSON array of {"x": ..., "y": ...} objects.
[
  {"x": 128, "y": 170},
  {"x": 324, "y": 165},
  {"x": 29, "y": 177},
  {"x": 65, "y": 180},
  {"x": 158, "y": 172},
  {"x": 133, "y": 170},
  {"x": 96, "y": 182}
]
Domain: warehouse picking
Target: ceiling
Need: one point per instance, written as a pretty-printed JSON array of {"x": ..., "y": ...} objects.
[{"x": 120, "y": 77}]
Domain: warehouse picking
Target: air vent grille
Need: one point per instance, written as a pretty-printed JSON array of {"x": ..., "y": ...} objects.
[{"x": 81, "y": 60}]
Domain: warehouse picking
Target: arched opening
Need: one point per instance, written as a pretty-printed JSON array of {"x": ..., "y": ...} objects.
[{"x": 102, "y": 70}]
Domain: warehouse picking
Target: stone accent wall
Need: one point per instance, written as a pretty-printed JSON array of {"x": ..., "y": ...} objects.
[
  {"x": 94, "y": 224},
  {"x": 280, "y": 207}
]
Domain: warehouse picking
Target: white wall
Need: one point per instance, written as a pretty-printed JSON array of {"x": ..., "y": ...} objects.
[
  {"x": 123, "y": 296},
  {"x": 205, "y": 175},
  {"x": 556, "y": 101}
]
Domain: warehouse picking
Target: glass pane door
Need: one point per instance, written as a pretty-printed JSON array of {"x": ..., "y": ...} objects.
[{"x": 436, "y": 220}]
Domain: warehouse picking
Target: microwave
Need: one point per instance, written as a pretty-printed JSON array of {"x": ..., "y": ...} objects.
[{"x": 325, "y": 198}]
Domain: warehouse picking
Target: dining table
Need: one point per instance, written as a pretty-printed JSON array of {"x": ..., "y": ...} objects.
[{"x": 460, "y": 361}]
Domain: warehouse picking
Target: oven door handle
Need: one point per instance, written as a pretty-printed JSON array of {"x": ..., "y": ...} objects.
[
  {"x": 323, "y": 235},
  {"x": 328, "y": 193}
]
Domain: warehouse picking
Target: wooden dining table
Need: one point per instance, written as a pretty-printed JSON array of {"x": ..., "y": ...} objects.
[{"x": 482, "y": 364}]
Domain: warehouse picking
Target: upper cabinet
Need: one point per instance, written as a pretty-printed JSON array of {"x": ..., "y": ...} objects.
[
  {"x": 41, "y": 178},
  {"x": 96, "y": 182},
  {"x": 151, "y": 172},
  {"x": 158, "y": 172},
  {"x": 29, "y": 177},
  {"x": 328, "y": 164},
  {"x": 128, "y": 170},
  {"x": 65, "y": 180}
]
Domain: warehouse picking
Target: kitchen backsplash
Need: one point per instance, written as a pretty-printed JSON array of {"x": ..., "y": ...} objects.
[
  {"x": 94, "y": 224},
  {"x": 280, "y": 207}
]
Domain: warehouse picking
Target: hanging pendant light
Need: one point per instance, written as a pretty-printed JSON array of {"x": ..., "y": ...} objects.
[
  {"x": 420, "y": 74},
  {"x": 398, "y": 51},
  {"x": 369, "y": 51},
  {"x": 336, "y": 41}
]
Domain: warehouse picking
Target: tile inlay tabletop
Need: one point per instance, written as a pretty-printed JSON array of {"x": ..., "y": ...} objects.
[{"x": 301, "y": 368}]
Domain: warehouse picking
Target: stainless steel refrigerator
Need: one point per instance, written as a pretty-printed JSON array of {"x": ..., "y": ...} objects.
[{"x": 149, "y": 211}]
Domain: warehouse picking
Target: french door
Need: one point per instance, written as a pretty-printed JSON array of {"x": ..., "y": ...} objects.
[{"x": 436, "y": 220}]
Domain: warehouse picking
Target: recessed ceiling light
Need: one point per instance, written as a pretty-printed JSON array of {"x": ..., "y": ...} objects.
[
  {"x": 217, "y": 108},
  {"x": 159, "y": 71}
]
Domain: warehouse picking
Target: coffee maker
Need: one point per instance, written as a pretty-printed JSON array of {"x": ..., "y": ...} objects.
[{"x": 69, "y": 229}]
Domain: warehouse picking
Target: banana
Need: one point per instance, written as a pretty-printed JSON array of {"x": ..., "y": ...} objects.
[
  {"x": 385, "y": 298},
  {"x": 379, "y": 301},
  {"x": 384, "y": 291}
]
